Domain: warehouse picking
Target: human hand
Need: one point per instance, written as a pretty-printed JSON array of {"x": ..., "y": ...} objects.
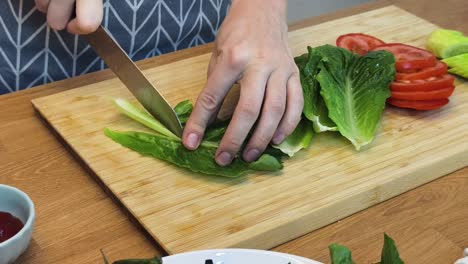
[
  {"x": 251, "y": 49},
  {"x": 59, "y": 12}
]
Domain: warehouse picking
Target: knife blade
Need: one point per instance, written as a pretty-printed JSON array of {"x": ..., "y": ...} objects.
[{"x": 134, "y": 79}]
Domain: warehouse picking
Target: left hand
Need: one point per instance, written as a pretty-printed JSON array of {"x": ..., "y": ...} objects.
[{"x": 251, "y": 49}]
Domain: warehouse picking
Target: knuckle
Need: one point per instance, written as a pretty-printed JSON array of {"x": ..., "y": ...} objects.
[
  {"x": 249, "y": 111},
  {"x": 233, "y": 144},
  {"x": 277, "y": 107},
  {"x": 261, "y": 141},
  {"x": 55, "y": 23},
  {"x": 236, "y": 57},
  {"x": 208, "y": 102},
  {"x": 87, "y": 24}
]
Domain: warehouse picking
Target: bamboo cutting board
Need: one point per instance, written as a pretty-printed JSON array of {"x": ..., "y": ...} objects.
[{"x": 185, "y": 211}]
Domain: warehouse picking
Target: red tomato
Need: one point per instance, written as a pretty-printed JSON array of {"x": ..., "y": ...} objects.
[
  {"x": 418, "y": 105},
  {"x": 439, "y": 69},
  {"x": 358, "y": 43},
  {"x": 409, "y": 57},
  {"x": 424, "y": 85},
  {"x": 424, "y": 95}
]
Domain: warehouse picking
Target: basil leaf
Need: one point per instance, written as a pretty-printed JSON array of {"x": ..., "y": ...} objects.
[
  {"x": 340, "y": 254},
  {"x": 390, "y": 253},
  {"x": 355, "y": 89},
  {"x": 200, "y": 160}
]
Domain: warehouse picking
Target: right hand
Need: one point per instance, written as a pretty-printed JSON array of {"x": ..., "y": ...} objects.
[{"x": 59, "y": 14}]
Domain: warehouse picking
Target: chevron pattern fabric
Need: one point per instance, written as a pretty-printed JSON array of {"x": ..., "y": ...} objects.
[{"x": 32, "y": 54}]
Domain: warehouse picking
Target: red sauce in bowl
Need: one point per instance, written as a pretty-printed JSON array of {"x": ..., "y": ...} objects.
[{"x": 9, "y": 226}]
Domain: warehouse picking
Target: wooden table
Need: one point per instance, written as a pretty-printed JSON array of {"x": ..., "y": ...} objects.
[{"x": 76, "y": 218}]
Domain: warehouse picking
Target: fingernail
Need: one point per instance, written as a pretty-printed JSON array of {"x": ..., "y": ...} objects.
[
  {"x": 192, "y": 141},
  {"x": 252, "y": 155},
  {"x": 224, "y": 159},
  {"x": 278, "y": 138}
]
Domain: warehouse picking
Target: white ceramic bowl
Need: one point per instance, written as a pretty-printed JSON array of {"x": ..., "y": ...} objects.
[
  {"x": 236, "y": 256},
  {"x": 20, "y": 205}
]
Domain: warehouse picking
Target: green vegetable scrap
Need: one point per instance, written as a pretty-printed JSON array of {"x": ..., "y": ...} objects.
[
  {"x": 353, "y": 88},
  {"x": 446, "y": 43},
  {"x": 342, "y": 255}
]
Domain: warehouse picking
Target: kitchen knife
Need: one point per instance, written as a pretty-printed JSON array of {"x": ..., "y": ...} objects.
[{"x": 127, "y": 71}]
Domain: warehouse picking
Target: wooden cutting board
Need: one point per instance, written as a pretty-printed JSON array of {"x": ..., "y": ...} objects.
[{"x": 186, "y": 211}]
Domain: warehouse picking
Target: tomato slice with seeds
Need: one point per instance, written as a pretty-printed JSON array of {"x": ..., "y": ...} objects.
[
  {"x": 408, "y": 57},
  {"x": 418, "y": 105},
  {"x": 424, "y": 85},
  {"x": 358, "y": 43},
  {"x": 424, "y": 95},
  {"x": 439, "y": 69}
]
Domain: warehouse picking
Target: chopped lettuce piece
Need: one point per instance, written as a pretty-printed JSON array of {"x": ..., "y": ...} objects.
[
  {"x": 200, "y": 160},
  {"x": 446, "y": 43},
  {"x": 355, "y": 89},
  {"x": 299, "y": 139},
  {"x": 183, "y": 110}
]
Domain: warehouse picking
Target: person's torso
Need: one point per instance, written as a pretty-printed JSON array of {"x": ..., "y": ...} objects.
[{"x": 32, "y": 54}]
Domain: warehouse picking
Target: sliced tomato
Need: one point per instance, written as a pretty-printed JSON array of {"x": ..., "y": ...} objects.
[
  {"x": 439, "y": 69},
  {"x": 418, "y": 105},
  {"x": 424, "y": 95},
  {"x": 409, "y": 57},
  {"x": 424, "y": 85},
  {"x": 358, "y": 43}
]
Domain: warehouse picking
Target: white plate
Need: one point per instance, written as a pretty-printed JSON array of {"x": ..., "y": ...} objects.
[{"x": 236, "y": 256}]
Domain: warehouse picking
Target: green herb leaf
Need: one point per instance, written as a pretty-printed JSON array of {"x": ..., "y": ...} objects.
[
  {"x": 183, "y": 110},
  {"x": 142, "y": 117},
  {"x": 299, "y": 139},
  {"x": 200, "y": 160},
  {"x": 355, "y": 89},
  {"x": 314, "y": 107},
  {"x": 155, "y": 260},
  {"x": 340, "y": 254},
  {"x": 390, "y": 253}
]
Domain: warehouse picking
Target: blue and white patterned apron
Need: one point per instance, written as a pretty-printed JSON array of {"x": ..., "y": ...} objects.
[{"x": 32, "y": 54}]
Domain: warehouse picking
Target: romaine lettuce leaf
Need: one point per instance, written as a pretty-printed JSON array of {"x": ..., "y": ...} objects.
[
  {"x": 200, "y": 160},
  {"x": 355, "y": 89},
  {"x": 314, "y": 107},
  {"x": 183, "y": 111},
  {"x": 299, "y": 139}
]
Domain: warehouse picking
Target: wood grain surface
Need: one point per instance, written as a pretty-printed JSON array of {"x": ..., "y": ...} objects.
[
  {"x": 184, "y": 211},
  {"x": 75, "y": 218}
]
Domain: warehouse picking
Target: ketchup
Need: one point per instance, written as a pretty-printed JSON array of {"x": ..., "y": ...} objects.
[{"x": 9, "y": 226}]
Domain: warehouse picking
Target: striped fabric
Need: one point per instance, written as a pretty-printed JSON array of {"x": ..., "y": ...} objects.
[{"x": 32, "y": 54}]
